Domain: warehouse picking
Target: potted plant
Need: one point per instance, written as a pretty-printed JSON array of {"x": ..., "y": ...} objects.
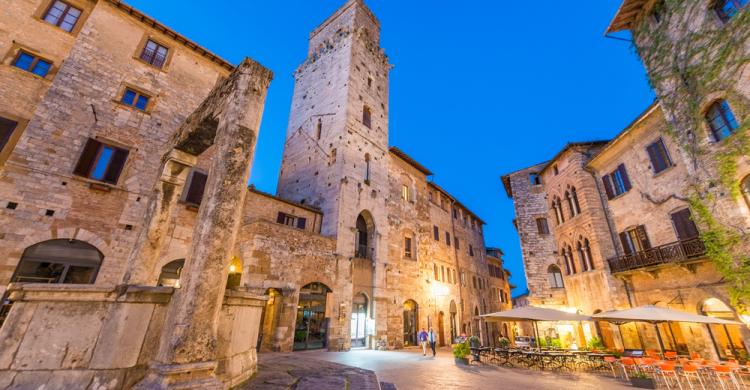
[
  {"x": 503, "y": 342},
  {"x": 642, "y": 381},
  {"x": 461, "y": 353},
  {"x": 474, "y": 342}
]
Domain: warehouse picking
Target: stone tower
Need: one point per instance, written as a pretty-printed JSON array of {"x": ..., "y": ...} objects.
[{"x": 336, "y": 151}]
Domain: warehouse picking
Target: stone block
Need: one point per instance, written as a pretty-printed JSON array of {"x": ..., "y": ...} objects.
[{"x": 122, "y": 336}]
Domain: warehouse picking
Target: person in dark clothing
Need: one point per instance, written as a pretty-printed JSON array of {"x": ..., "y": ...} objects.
[{"x": 432, "y": 339}]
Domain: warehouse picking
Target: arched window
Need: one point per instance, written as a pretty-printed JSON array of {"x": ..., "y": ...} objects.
[
  {"x": 59, "y": 261},
  {"x": 170, "y": 273},
  {"x": 721, "y": 120},
  {"x": 587, "y": 252},
  {"x": 558, "y": 210},
  {"x": 555, "y": 276},
  {"x": 569, "y": 200},
  {"x": 367, "y": 117},
  {"x": 574, "y": 197},
  {"x": 571, "y": 260},
  {"x": 726, "y": 9},
  {"x": 582, "y": 257},
  {"x": 363, "y": 236}
]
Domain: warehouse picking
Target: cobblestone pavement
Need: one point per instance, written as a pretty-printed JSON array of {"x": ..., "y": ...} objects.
[{"x": 408, "y": 369}]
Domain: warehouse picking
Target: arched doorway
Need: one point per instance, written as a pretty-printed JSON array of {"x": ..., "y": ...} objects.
[
  {"x": 726, "y": 339},
  {"x": 269, "y": 320},
  {"x": 454, "y": 330},
  {"x": 311, "y": 329},
  {"x": 60, "y": 261},
  {"x": 410, "y": 322},
  {"x": 359, "y": 320},
  {"x": 364, "y": 236},
  {"x": 170, "y": 273}
]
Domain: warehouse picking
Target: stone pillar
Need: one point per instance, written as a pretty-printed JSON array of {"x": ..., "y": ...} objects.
[{"x": 144, "y": 257}]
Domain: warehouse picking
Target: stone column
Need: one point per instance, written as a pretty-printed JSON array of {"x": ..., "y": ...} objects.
[{"x": 145, "y": 255}]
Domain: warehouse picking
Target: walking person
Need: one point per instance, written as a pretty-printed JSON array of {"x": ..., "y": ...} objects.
[
  {"x": 431, "y": 337},
  {"x": 422, "y": 337}
]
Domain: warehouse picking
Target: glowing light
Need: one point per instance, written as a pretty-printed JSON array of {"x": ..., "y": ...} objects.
[
  {"x": 232, "y": 268},
  {"x": 439, "y": 290},
  {"x": 745, "y": 318}
]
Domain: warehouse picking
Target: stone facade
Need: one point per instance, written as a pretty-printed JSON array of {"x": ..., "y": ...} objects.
[{"x": 144, "y": 223}]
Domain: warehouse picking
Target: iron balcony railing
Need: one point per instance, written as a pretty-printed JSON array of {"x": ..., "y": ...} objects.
[
  {"x": 363, "y": 252},
  {"x": 675, "y": 252}
]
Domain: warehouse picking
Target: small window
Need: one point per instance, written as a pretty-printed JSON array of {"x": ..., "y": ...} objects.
[
  {"x": 457, "y": 244},
  {"x": 332, "y": 157},
  {"x": 447, "y": 239},
  {"x": 154, "y": 54},
  {"x": 63, "y": 15},
  {"x": 367, "y": 117},
  {"x": 194, "y": 188},
  {"x": 555, "y": 276},
  {"x": 32, "y": 63},
  {"x": 407, "y": 247},
  {"x": 367, "y": 168},
  {"x": 635, "y": 240},
  {"x": 659, "y": 156},
  {"x": 7, "y": 127},
  {"x": 369, "y": 82},
  {"x": 405, "y": 193},
  {"x": 132, "y": 98},
  {"x": 555, "y": 170},
  {"x": 319, "y": 129},
  {"x": 535, "y": 179},
  {"x": 684, "y": 225},
  {"x": 436, "y": 233},
  {"x": 435, "y": 268},
  {"x": 471, "y": 250},
  {"x": 541, "y": 226},
  {"x": 101, "y": 162},
  {"x": 442, "y": 273},
  {"x": 455, "y": 281},
  {"x": 721, "y": 120},
  {"x": 726, "y": 9},
  {"x": 617, "y": 182},
  {"x": 291, "y": 220}
]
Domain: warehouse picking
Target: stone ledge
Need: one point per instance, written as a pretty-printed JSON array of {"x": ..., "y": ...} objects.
[
  {"x": 36, "y": 292},
  {"x": 238, "y": 297}
]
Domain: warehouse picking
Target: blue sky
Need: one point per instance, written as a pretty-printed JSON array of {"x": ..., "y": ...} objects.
[{"x": 477, "y": 90}]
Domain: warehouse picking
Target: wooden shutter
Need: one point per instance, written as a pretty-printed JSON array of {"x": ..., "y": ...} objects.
[
  {"x": 86, "y": 161},
  {"x": 654, "y": 156},
  {"x": 643, "y": 237},
  {"x": 625, "y": 244},
  {"x": 116, "y": 164},
  {"x": 684, "y": 225},
  {"x": 608, "y": 187},
  {"x": 194, "y": 194},
  {"x": 6, "y": 130},
  {"x": 301, "y": 223},
  {"x": 625, "y": 178},
  {"x": 280, "y": 218}
]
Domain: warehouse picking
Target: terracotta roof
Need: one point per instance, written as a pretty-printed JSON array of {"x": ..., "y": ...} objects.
[
  {"x": 626, "y": 15},
  {"x": 400, "y": 154},
  {"x": 151, "y": 22}
]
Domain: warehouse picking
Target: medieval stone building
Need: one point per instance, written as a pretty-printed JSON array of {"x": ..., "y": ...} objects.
[
  {"x": 634, "y": 221},
  {"x": 358, "y": 248}
]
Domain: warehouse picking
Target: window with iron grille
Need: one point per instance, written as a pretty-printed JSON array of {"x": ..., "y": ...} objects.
[
  {"x": 63, "y": 15},
  {"x": 154, "y": 53}
]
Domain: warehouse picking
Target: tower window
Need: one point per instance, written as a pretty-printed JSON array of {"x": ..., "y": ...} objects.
[
  {"x": 319, "y": 129},
  {"x": 367, "y": 169},
  {"x": 405, "y": 193},
  {"x": 63, "y": 15},
  {"x": 154, "y": 54},
  {"x": 721, "y": 120},
  {"x": 367, "y": 117},
  {"x": 369, "y": 82}
]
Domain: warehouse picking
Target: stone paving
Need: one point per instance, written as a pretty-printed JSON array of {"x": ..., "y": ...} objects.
[{"x": 406, "y": 370}]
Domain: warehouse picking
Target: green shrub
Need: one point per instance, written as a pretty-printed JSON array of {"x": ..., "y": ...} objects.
[
  {"x": 461, "y": 350},
  {"x": 594, "y": 343}
]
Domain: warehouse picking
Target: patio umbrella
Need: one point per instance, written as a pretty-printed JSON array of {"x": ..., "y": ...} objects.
[
  {"x": 534, "y": 314},
  {"x": 655, "y": 315}
]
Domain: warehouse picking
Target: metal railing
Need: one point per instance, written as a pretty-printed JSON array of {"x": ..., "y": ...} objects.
[
  {"x": 675, "y": 252},
  {"x": 363, "y": 252}
]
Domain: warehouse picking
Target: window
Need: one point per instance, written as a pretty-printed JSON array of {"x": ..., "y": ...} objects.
[
  {"x": 455, "y": 281},
  {"x": 569, "y": 260},
  {"x": 447, "y": 239},
  {"x": 455, "y": 239},
  {"x": 721, "y": 120},
  {"x": 154, "y": 54},
  {"x": 32, "y": 63},
  {"x": 584, "y": 254},
  {"x": 558, "y": 210},
  {"x": 587, "y": 253},
  {"x": 684, "y": 225},
  {"x": 7, "y": 127},
  {"x": 59, "y": 261},
  {"x": 541, "y": 226},
  {"x": 726, "y": 9},
  {"x": 101, "y": 162},
  {"x": 436, "y": 233},
  {"x": 367, "y": 117},
  {"x": 555, "y": 276},
  {"x": 435, "y": 268},
  {"x": 332, "y": 157},
  {"x": 407, "y": 247},
  {"x": 555, "y": 170},
  {"x": 535, "y": 179},
  {"x": 367, "y": 168},
  {"x": 635, "y": 240},
  {"x": 442, "y": 272},
  {"x": 291, "y": 220},
  {"x": 63, "y": 15},
  {"x": 463, "y": 279},
  {"x": 455, "y": 213},
  {"x": 617, "y": 182},
  {"x": 471, "y": 250},
  {"x": 405, "y": 193},
  {"x": 572, "y": 198},
  {"x": 319, "y": 129},
  {"x": 135, "y": 99},
  {"x": 659, "y": 156},
  {"x": 474, "y": 281},
  {"x": 194, "y": 187}
]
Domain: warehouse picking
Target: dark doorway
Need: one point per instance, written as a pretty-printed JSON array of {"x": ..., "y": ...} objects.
[
  {"x": 441, "y": 330},
  {"x": 311, "y": 329},
  {"x": 410, "y": 323}
]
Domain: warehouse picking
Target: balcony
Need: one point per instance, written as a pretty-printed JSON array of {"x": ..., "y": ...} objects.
[
  {"x": 363, "y": 252},
  {"x": 673, "y": 253}
]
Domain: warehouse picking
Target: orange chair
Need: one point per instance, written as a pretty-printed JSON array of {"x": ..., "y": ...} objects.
[
  {"x": 725, "y": 377},
  {"x": 628, "y": 365},
  {"x": 652, "y": 354},
  {"x": 690, "y": 372},
  {"x": 610, "y": 362},
  {"x": 670, "y": 355},
  {"x": 695, "y": 356},
  {"x": 668, "y": 374}
]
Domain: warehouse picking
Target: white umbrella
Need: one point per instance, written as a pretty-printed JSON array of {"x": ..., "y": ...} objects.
[{"x": 531, "y": 313}]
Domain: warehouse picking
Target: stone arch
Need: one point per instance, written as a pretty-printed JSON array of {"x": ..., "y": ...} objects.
[
  {"x": 313, "y": 318},
  {"x": 364, "y": 239},
  {"x": 269, "y": 320},
  {"x": 170, "y": 273},
  {"x": 59, "y": 260},
  {"x": 68, "y": 233},
  {"x": 410, "y": 322}
]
